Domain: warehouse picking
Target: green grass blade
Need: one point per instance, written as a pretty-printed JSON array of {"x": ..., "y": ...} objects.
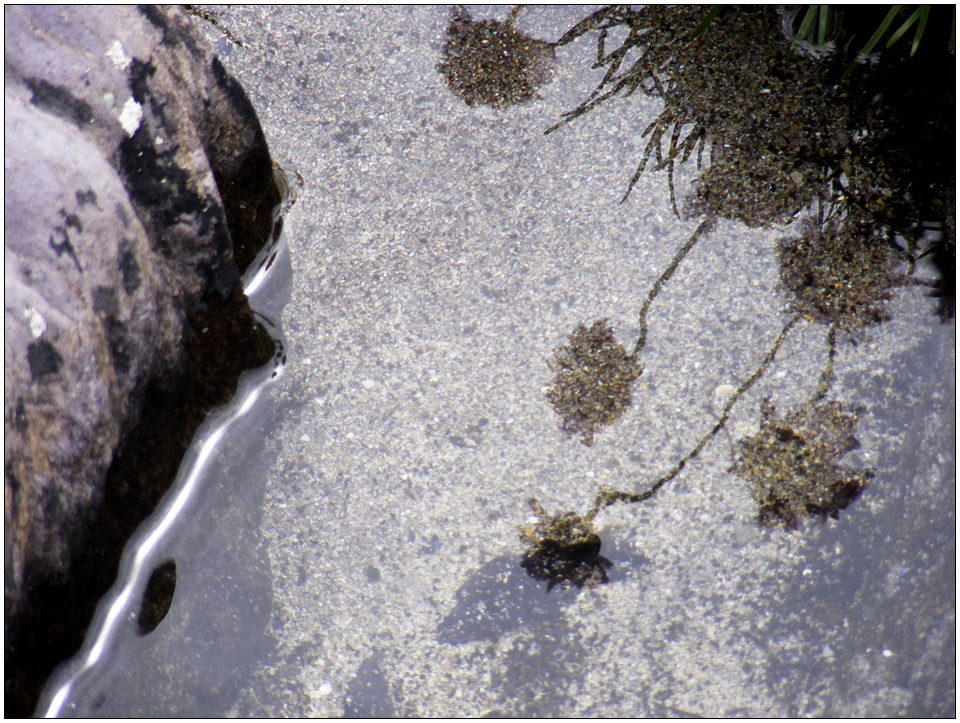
[
  {"x": 878, "y": 34},
  {"x": 808, "y": 19},
  {"x": 707, "y": 19},
  {"x": 824, "y": 16},
  {"x": 874, "y": 39},
  {"x": 903, "y": 28},
  {"x": 804, "y": 30},
  {"x": 924, "y": 14}
]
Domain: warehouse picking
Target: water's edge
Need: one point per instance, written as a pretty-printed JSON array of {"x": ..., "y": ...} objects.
[{"x": 267, "y": 284}]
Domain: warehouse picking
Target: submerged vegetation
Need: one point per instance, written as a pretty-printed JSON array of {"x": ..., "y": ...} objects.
[
  {"x": 487, "y": 62},
  {"x": 837, "y": 279},
  {"x": 766, "y": 121},
  {"x": 791, "y": 463},
  {"x": 817, "y": 32},
  {"x": 779, "y": 128},
  {"x": 782, "y": 131},
  {"x": 564, "y": 550},
  {"x": 785, "y": 133},
  {"x": 593, "y": 382}
]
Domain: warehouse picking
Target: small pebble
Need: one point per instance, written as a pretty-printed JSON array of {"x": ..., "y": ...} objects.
[
  {"x": 323, "y": 691},
  {"x": 744, "y": 534}
]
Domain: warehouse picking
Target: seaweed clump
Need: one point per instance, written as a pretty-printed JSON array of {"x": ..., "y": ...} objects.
[
  {"x": 594, "y": 379},
  {"x": 838, "y": 273},
  {"x": 488, "y": 62},
  {"x": 564, "y": 550},
  {"x": 769, "y": 122},
  {"x": 791, "y": 464},
  {"x": 784, "y": 131}
]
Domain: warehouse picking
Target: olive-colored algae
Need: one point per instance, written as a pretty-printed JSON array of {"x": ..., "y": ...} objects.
[
  {"x": 564, "y": 550},
  {"x": 792, "y": 463},
  {"x": 769, "y": 121},
  {"x": 594, "y": 378},
  {"x": 783, "y": 136},
  {"x": 838, "y": 273},
  {"x": 487, "y": 62}
]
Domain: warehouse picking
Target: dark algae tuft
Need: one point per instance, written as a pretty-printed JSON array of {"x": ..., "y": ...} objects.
[
  {"x": 792, "y": 463},
  {"x": 787, "y": 136},
  {"x": 836, "y": 275},
  {"x": 487, "y": 62},
  {"x": 564, "y": 550},
  {"x": 593, "y": 382}
]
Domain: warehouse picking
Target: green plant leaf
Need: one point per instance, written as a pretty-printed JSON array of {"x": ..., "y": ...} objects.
[
  {"x": 879, "y": 32},
  {"x": 924, "y": 14},
  {"x": 707, "y": 19},
  {"x": 822, "y": 36},
  {"x": 804, "y": 30},
  {"x": 874, "y": 39},
  {"x": 904, "y": 28}
]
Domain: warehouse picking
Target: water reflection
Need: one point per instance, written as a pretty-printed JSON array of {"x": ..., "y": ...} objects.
[{"x": 390, "y": 511}]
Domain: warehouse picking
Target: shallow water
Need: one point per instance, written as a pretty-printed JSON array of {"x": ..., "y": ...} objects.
[{"x": 356, "y": 551}]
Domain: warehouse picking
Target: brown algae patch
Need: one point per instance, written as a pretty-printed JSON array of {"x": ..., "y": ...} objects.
[
  {"x": 785, "y": 130},
  {"x": 564, "y": 550},
  {"x": 595, "y": 374},
  {"x": 785, "y": 134},
  {"x": 792, "y": 463},
  {"x": 768, "y": 121},
  {"x": 487, "y": 62},
  {"x": 837, "y": 275}
]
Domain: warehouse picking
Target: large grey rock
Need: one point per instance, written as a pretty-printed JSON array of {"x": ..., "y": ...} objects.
[{"x": 135, "y": 169}]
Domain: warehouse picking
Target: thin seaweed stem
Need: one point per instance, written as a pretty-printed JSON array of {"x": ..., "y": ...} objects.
[{"x": 607, "y": 497}]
